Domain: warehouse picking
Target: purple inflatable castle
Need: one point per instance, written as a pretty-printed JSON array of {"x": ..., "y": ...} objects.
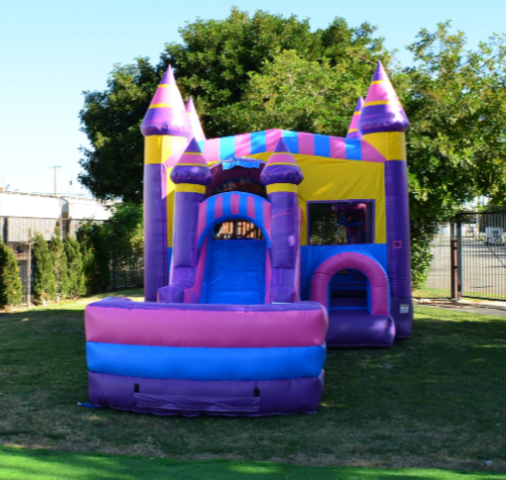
[{"x": 261, "y": 249}]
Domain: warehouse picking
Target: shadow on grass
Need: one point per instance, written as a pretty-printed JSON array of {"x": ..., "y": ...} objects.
[{"x": 25, "y": 464}]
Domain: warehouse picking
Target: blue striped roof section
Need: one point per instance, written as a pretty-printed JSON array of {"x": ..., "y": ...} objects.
[{"x": 224, "y": 148}]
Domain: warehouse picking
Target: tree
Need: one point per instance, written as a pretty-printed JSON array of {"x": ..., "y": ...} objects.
[
  {"x": 77, "y": 287},
  {"x": 455, "y": 100},
  {"x": 263, "y": 71},
  {"x": 215, "y": 64},
  {"x": 60, "y": 268},
  {"x": 11, "y": 288},
  {"x": 96, "y": 257},
  {"x": 44, "y": 287},
  {"x": 125, "y": 236}
]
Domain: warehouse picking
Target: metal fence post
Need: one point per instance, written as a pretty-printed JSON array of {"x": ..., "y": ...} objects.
[
  {"x": 454, "y": 277},
  {"x": 459, "y": 258}
]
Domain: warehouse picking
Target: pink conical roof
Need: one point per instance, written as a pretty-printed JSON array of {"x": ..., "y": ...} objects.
[
  {"x": 353, "y": 129},
  {"x": 195, "y": 125},
  {"x": 281, "y": 167},
  {"x": 166, "y": 114},
  {"x": 382, "y": 110},
  {"x": 281, "y": 155},
  {"x": 192, "y": 156}
]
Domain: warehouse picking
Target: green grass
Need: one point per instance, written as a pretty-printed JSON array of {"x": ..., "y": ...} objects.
[
  {"x": 46, "y": 465},
  {"x": 431, "y": 293},
  {"x": 434, "y": 401}
]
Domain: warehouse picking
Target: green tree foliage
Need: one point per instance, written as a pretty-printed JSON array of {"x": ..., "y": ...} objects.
[
  {"x": 455, "y": 100},
  {"x": 125, "y": 236},
  {"x": 44, "y": 287},
  {"x": 95, "y": 252},
  {"x": 214, "y": 64},
  {"x": 77, "y": 286},
  {"x": 250, "y": 73},
  {"x": 11, "y": 291},
  {"x": 60, "y": 268}
]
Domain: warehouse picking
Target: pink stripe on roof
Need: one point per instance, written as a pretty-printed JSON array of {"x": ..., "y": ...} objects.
[
  {"x": 250, "y": 207},
  {"x": 337, "y": 147},
  {"x": 218, "y": 207},
  {"x": 381, "y": 91},
  {"x": 370, "y": 154},
  {"x": 243, "y": 144},
  {"x": 212, "y": 150},
  {"x": 271, "y": 139},
  {"x": 234, "y": 204},
  {"x": 306, "y": 143},
  {"x": 162, "y": 95}
]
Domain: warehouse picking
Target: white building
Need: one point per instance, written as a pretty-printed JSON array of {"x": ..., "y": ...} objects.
[{"x": 24, "y": 214}]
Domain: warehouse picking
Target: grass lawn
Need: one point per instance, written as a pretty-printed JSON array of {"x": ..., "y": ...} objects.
[
  {"x": 47, "y": 465},
  {"x": 437, "y": 400}
]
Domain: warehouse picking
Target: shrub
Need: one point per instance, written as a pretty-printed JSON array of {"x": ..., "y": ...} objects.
[
  {"x": 44, "y": 287},
  {"x": 60, "y": 268},
  {"x": 77, "y": 287},
  {"x": 11, "y": 291},
  {"x": 96, "y": 257}
]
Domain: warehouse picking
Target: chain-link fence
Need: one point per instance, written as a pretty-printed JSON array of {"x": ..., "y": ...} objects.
[{"x": 481, "y": 240}]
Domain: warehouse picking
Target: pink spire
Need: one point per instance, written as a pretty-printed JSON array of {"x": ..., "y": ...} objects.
[
  {"x": 195, "y": 125},
  {"x": 192, "y": 156},
  {"x": 281, "y": 167},
  {"x": 191, "y": 167},
  {"x": 281, "y": 155},
  {"x": 166, "y": 114},
  {"x": 353, "y": 132},
  {"x": 382, "y": 111}
]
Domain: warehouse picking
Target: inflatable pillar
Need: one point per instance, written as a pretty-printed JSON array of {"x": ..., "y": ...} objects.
[
  {"x": 382, "y": 124},
  {"x": 166, "y": 130},
  {"x": 190, "y": 175},
  {"x": 353, "y": 132},
  {"x": 281, "y": 175}
]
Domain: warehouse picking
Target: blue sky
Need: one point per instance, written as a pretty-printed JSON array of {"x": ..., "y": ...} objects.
[{"x": 53, "y": 50}]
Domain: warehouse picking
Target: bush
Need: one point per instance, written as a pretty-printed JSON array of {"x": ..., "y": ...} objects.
[
  {"x": 60, "y": 268},
  {"x": 96, "y": 257},
  {"x": 77, "y": 287},
  {"x": 11, "y": 288},
  {"x": 44, "y": 287},
  {"x": 125, "y": 235}
]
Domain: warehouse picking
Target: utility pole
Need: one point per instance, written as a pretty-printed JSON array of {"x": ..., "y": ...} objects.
[{"x": 55, "y": 190}]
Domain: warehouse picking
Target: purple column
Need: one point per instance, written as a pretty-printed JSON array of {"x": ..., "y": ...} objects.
[{"x": 398, "y": 245}]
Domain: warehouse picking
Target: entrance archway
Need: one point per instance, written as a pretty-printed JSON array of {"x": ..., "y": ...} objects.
[{"x": 378, "y": 296}]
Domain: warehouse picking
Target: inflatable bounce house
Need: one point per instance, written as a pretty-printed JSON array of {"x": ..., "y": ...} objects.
[{"x": 261, "y": 249}]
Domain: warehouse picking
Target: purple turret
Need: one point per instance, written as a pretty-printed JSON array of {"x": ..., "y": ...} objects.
[
  {"x": 281, "y": 175},
  {"x": 191, "y": 175},
  {"x": 166, "y": 114},
  {"x": 281, "y": 167},
  {"x": 382, "y": 124},
  {"x": 166, "y": 129},
  {"x": 195, "y": 125},
  {"x": 353, "y": 132},
  {"x": 382, "y": 110},
  {"x": 191, "y": 167}
]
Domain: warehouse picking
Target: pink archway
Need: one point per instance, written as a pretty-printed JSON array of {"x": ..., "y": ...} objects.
[{"x": 368, "y": 266}]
